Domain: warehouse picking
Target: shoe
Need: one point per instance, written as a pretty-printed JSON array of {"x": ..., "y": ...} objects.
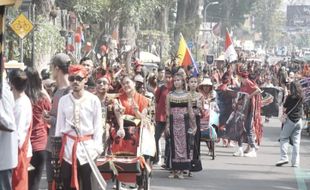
[
  {"x": 190, "y": 174},
  {"x": 281, "y": 162},
  {"x": 247, "y": 149},
  {"x": 231, "y": 144},
  {"x": 172, "y": 175},
  {"x": 295, "y": 165},
  {"x": 239, "y": 152},
  {"x": 251, "y": 153},
  {"x": 180, "y": 175}
]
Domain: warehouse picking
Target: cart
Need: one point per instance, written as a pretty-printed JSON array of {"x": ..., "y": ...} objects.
[
  {"x": 208, "y": 130},
  {"x": 126, "y": 165}
]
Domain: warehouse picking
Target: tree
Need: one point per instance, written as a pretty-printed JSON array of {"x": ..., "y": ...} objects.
[
  {"x": 187, "y": 19},
  {"x": 43, "y": 7},
  {"x": 268, "y": 21},
  {"x": 231, "y": 13}
]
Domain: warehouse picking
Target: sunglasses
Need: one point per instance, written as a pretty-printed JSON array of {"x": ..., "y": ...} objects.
[{"x": 76, "y": 78}]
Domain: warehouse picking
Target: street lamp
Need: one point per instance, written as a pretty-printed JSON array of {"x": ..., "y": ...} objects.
[
  {"x": 206, "y": 7},
  {"x": 205, "y": 16}
]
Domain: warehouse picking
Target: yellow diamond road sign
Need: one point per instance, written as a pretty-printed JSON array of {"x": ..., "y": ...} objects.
[{"x": 22, "y": 26}]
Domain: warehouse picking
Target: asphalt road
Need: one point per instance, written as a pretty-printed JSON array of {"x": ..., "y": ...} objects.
[
  {"x": 238, "y": 173},
  {"x": 242, "y": 173}
]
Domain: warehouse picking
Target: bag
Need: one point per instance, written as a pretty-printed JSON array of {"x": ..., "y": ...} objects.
[
  {"x": 147, "y": 143},
  {"x": 208, "y": 134},
  {"x": 283, "y": 117},
  {"x": 196, "y": 165}
]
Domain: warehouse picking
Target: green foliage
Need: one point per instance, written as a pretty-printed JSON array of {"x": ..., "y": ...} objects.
[
  {"x": 92, "y": 11},
  {"x": 269, "y": 20},
  {"x": 230, "y": 12},
  {"x": 47, "y": 41}
]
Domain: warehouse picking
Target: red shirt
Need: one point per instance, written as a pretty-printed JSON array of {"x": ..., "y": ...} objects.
[
  {"x": 160, "y": 100},
  {"x": 39, "y": 129}
]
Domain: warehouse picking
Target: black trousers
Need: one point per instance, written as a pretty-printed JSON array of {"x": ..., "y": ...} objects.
[
  {"x": 84, "y": 175},
  {"x": 159, "y": 129},
  {"x": 38, "y": 161}
]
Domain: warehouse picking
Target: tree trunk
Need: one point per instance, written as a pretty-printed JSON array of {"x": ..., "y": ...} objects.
[
  {"x": 163, "y": 16},
  {"x": 187, "y": 20},
  {"x": 180, "y": 20},
  {"x": 43, "y": 7}
]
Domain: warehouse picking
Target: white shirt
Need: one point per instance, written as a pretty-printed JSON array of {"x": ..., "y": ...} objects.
[
  {"x": 90, "y": 123},
  {"x": 23, "y": 119},
  {"x": 8, "y": 140}
]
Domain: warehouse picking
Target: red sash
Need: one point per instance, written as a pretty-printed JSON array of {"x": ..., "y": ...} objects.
[
  {"x": 74, "y": 175},
  {"x": 20, "y": 173}
]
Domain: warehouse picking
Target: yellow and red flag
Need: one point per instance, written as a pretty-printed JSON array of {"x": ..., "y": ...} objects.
[{"x": 184, "y": 55}]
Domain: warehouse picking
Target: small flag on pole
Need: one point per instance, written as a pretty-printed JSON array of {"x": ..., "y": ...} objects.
[
  {"x": 230, "y": 52},
  {"x": 185, "y": 56}
]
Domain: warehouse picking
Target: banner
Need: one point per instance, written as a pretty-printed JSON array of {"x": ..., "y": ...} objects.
[
  {"x": 305, "y": 84},
  {"x": 272, "y": 100},
  {"x": 234, "y": 125}
]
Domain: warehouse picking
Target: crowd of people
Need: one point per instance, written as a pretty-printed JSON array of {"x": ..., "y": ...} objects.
[{"x": 103, "y": 101}]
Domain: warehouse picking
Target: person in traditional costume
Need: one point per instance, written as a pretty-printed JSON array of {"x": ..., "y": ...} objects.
[
  {"x": 23, "y": 118},
  {"x": 225, "y": 96},
  {"x": 102, "y": 88},
  {"x": 78, "y": 111},
  {"x": 128, "y": 110},
  {"x": 197, "y": 103},
  {"x": 253, "y": 122},
  {"x": 209, "y": 94},
  {"x": 8, "y": 133},
  {"x": 234, "y": 125},
  {"x": 180, "y": 125}
]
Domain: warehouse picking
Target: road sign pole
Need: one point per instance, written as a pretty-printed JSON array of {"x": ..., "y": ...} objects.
[
  {"x": 21, "y": 42},
  {"x": 32, "y": 37}
]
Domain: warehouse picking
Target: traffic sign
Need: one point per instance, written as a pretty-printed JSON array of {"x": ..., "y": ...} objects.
[
  {"x": 190, "y": 44},
  {"x": 210, "y": 59},
  {"x": 22, "y": 26}
]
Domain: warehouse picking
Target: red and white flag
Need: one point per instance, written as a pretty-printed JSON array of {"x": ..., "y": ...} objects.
[{"x": 230, "y": 52}]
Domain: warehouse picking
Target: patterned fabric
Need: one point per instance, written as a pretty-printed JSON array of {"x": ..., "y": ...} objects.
[
  {"x": 197, "y": 104},
  {"x": 256, "y": 104},
  {"x": 179, "y": 125}
]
